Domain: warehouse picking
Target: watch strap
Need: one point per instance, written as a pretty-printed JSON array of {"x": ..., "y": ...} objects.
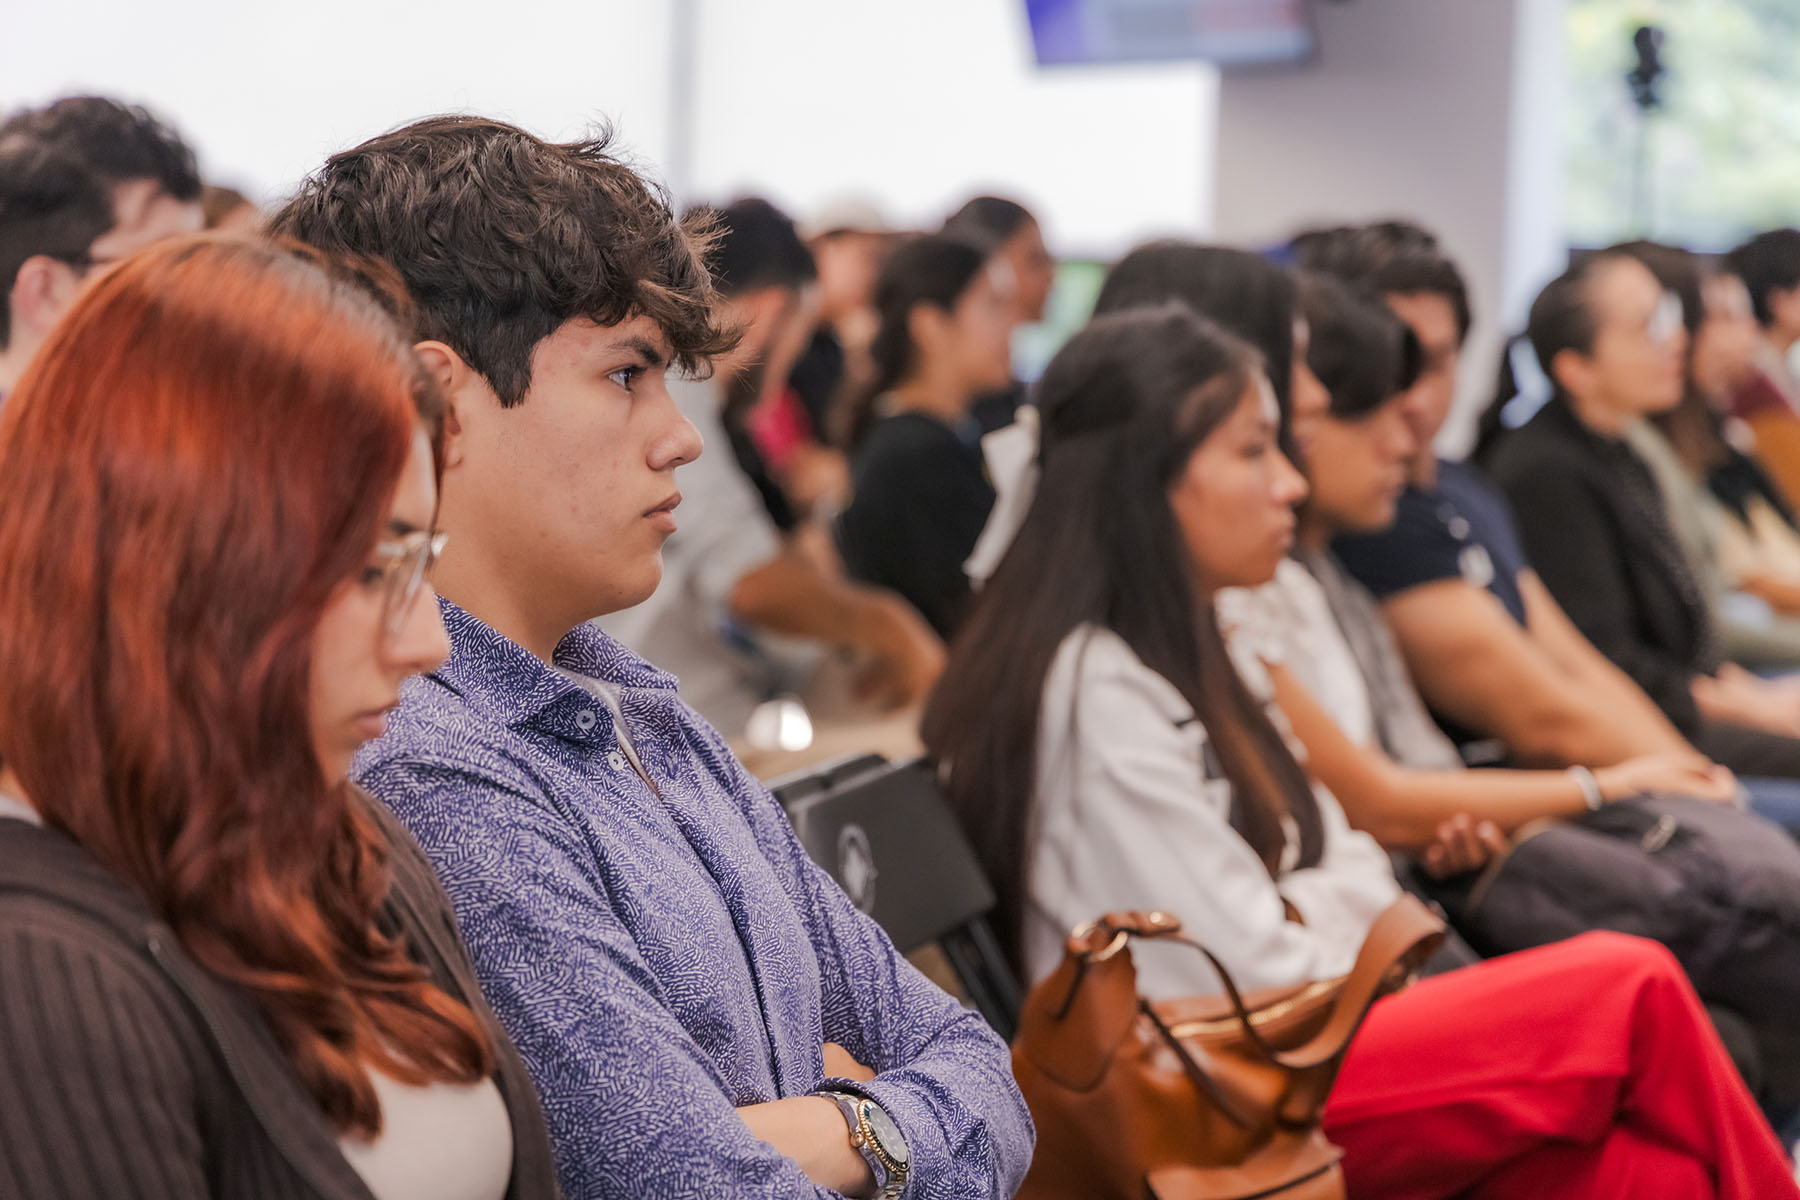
[{"x": 850, "y": 1105}]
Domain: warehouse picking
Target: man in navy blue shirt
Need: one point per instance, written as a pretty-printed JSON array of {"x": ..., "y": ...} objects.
[
  {"x": 1501, "y": 664},
  {"x": 704, "y": 1011}
]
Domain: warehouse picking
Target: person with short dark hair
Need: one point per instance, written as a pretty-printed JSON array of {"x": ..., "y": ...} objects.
[
  {"x": 228, "y": 209},
  {"x": 1593, "y": 521},
  {"x": 704, "y": 1010},
  {"x": 1505, "y": 672},
  {"x": 1370, "y": 739},
  {"x": 83, "y": 183},
  {"x": 1012, "y": 235},
  {"x": 748, "y": 607},
  {"x": 920, "y": 494},
  {"x": 1767, "y": 400}
]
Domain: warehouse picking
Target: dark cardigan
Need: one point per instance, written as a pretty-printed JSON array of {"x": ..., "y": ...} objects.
[
  {"x": 127, "y": 1070},
  {"x": 1613, "y": 567}
]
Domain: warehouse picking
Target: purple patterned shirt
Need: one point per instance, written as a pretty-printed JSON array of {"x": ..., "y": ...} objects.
[{"x": 663, "y": 959}]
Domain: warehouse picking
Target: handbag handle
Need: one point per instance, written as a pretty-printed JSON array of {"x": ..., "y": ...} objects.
[{"x": 1401, "y": 938}]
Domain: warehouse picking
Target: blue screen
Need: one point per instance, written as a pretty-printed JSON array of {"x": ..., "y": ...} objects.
[{"x": 1227, "y": 32}]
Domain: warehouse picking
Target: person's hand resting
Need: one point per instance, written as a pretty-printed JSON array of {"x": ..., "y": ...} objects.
[
  {"x": 1736, "y": 696},
  {"x": 1679, "y": 774},
  {"x": 1462, "y": 844},
  {"x": 905, "y": 656}
]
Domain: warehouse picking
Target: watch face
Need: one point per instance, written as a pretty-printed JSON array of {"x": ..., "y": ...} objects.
[{"x": 893, "y": 1144}]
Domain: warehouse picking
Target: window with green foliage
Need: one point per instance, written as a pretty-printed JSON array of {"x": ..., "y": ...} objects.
[{"x": 1720, "y": 159}]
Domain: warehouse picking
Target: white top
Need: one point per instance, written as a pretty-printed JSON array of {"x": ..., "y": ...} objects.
[
  {"x": 1010, "y": 453},
  {"x": 722, "y": 533},
  {"x": 16, "y": 809},
  {"x": 1289, "y": 621},
  {"x": 1132, "y": 813},
  {"x": 439, "y": 1142}
]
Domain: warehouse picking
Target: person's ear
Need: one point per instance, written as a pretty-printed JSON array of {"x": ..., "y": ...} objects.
[
  {"x": 1784, "y": 307},
  {"x": 460, "y": 385},
  {"x": 42, "y": 291},
  {"x": 1572, "y": 371},
  {"x": 926, "y": 326}
]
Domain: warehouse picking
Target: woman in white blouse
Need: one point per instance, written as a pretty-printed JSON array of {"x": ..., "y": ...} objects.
[{"x": 1104, "y": 752}]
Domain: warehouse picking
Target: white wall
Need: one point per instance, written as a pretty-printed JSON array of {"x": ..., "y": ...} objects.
[
  {"x": 1439, "y": 110},
  {"x": 918, "y": 104},
  {"x": 927, "y": 102},
  {"x": 266, "y": 91}
]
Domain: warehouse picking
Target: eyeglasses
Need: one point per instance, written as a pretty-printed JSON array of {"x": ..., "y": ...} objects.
[
  {"x": 1666, "y": 321},
  {"x": 406, "y": 563}
]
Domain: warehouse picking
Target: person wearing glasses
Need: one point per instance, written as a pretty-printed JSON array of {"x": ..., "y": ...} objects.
[
  {"x": 83, "y": 182},
  {"x": 1593, "y": 521},
  {"x": 227, "y": 971}
]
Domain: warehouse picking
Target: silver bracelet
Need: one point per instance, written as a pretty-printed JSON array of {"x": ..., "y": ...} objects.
[{"x": 1590, "y": 787}]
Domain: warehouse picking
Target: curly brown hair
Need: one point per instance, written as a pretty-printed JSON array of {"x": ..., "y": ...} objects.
[{"x": 502, "y": 237}]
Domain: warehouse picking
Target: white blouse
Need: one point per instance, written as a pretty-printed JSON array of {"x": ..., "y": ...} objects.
[
  {"x": 1132, "y": 813},
  {"x": 1289, "y": 621}
]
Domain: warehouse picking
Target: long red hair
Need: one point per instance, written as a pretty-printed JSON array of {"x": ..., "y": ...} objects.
[{"x": 198, "y": 458}]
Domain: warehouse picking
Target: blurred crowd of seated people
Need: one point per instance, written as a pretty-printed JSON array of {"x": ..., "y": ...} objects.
[{"x": 394, "y": 582}]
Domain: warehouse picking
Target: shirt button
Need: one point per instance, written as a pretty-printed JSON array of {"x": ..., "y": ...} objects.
[
  {"x": 616, "y": 761},
  {"x": 584, "y": 720}
]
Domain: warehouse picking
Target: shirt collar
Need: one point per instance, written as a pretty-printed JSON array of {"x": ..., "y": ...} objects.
[{"x": 509, "y": 683}]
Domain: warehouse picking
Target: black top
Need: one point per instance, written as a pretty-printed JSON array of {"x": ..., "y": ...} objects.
[
  {"x": 816, "y": 376},
  {"x": 1594, "y": 527},
  {"x": 919, "y": 499},
  {"x": 997, "y": 410},
  {"x": 1459, "y": 529},
  {"x": 128, "y": 1070},
  {"x": 1739, "y": 480}
]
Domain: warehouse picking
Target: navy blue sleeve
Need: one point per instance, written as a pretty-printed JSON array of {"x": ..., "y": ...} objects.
[{"x": 1417, "y": 549}]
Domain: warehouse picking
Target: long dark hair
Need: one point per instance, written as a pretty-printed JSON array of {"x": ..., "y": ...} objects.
[
  {"x": 1123, "y": 406},
  {"x": 1248, "y": 295},
  {"x": 1361, "y": 352},
  {"x": 935, "y": 270}
]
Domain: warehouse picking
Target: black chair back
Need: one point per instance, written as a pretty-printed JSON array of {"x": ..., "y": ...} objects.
[{"x": 885, "y": 832}]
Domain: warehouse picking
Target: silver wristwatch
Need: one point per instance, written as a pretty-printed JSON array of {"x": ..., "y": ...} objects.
[{"x": 874, "y": 1135}]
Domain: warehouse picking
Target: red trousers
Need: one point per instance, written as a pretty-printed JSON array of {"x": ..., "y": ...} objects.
[{"x": 1584, "y": 1069}]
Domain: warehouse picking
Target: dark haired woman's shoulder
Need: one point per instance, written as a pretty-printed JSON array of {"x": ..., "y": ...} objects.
[{"x": 1550, "y": 443}]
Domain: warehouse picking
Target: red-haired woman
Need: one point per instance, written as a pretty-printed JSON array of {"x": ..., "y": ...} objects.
[{"x": 223, "y": 972}]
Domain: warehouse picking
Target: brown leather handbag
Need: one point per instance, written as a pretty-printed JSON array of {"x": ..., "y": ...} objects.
[{"x": 1201, "y": 1098}]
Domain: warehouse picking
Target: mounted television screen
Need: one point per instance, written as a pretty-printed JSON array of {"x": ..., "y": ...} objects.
[{"x": 1230, "y": 33}]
